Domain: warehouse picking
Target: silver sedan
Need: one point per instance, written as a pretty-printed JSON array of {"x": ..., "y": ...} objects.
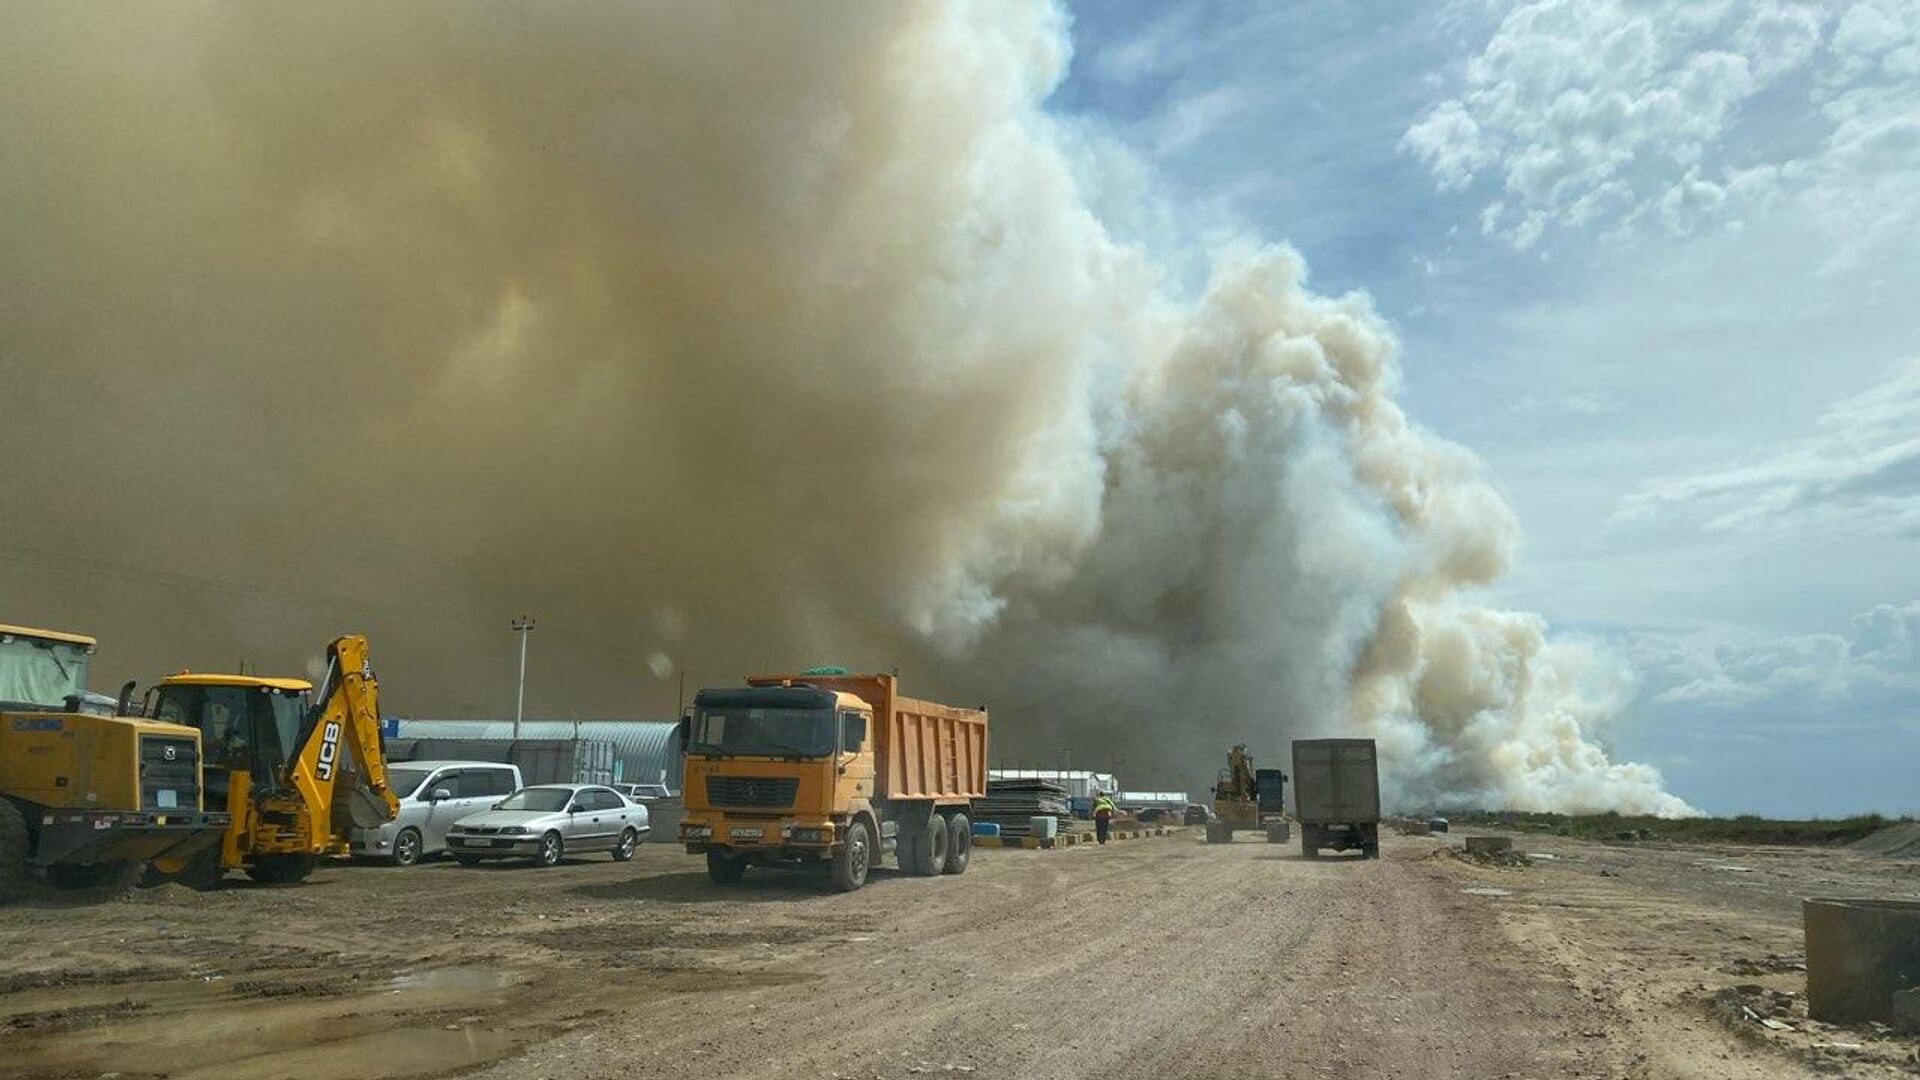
[{"x": 548, "y": 821}]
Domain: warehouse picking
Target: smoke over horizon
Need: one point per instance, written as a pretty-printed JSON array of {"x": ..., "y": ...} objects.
[{"x": 723, "y": 339}]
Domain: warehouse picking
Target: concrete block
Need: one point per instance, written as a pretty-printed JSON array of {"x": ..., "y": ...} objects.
[{"x": 1859, "y": 954}]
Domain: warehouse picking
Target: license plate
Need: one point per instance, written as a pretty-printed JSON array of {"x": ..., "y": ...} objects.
[
  {"x": 167, "y": 798},
  {"x": 472, "y": 842},
  {"x": 749, "y": 832}
]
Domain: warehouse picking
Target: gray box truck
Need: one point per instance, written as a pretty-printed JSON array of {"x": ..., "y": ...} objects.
[{"x": 1336, "y": 796}]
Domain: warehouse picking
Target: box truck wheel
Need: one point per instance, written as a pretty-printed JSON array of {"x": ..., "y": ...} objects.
[
  {"x": 959, "y": 843},
  {"x": 850, "y": 864},
  {"x": 724, "y": 870}
]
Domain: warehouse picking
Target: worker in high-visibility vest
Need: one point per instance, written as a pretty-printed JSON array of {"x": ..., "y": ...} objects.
[{"x": 1102, "y": 815}]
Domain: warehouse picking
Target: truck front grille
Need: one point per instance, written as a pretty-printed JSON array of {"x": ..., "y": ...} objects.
[
  {"x": 752, "y": 790},
  {"x": 169, "y": 773}
]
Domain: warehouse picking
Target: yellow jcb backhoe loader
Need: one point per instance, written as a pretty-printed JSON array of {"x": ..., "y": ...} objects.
[
  {"x": 87, "y": 798},
  {"x": 276, "y": 755}
]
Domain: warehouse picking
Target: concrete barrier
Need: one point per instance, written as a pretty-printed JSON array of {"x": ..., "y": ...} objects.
[{"x": 1859, "y": 954}]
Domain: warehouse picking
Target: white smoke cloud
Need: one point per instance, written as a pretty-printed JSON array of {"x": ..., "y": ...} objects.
[{"x": 768, "y": 340}]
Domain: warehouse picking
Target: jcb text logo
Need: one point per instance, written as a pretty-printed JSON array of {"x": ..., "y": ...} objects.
[{"x": 329, "y": 749}]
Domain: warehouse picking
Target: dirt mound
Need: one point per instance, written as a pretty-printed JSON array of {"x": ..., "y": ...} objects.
[{"x": 1901, "y": 840}]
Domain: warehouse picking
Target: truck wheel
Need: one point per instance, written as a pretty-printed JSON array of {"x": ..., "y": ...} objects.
[
  {"x": 14, "y": 868},
  {"x": 850, "y": 864},
  {"x": 550, "y": 850},
  {"x": 629, "y": 840},
  {"x": 724, "y": 870},
  {"x": 408, "y": 847},
  {"x": 104, "y": 879},
  {"x": 959, "y": 844},
  {"x": 1373, "y": 851},
  {"x": 280, "y": 869}
]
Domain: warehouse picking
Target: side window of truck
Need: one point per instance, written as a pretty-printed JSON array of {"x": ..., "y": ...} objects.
[{"x": 853, "y": 731}]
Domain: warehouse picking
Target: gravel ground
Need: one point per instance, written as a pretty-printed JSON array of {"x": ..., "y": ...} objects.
[{"x": 1161, "y": 957}]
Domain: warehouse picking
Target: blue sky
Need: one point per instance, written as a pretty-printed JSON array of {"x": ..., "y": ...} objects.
[{"x": 1655, "y": 264}]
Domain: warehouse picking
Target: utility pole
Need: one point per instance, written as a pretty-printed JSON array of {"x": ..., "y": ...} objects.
[
  {"x": 680, "y": 700},
  {"x": 524, "y": 627}
]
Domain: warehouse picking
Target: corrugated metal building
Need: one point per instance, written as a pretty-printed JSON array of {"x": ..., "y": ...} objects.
[
  {"x": 1080, "y": 783},
  {"x": 644, "y": 751}
]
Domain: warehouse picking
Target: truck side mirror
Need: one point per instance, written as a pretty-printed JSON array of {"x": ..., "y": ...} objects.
[{"x": 126, "y": 699}]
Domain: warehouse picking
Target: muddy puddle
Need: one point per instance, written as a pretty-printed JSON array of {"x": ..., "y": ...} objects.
[{"x": 414, "y": 1023}]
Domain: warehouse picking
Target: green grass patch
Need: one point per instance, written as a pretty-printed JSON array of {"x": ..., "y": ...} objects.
[{"x": 1745, "y": 829}]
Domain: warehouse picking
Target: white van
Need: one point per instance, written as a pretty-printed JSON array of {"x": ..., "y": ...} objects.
[{"x": 433, "y": 795}]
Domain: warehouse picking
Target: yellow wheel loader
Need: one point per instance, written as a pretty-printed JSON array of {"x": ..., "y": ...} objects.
[
  {"x": 88, "y": 797},
  {"x": 276, "y": 757}
]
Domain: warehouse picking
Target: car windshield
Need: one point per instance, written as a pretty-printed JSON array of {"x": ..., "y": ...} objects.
[
  {"x": 39, "y": 672},
  {"x": 537, "y": 798},
  {"x": 405, "y": 781},
  {"x": 767, "y": 732}
]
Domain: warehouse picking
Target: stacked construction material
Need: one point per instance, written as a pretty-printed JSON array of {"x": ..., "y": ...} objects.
[{"x": 1013, "y": 804}]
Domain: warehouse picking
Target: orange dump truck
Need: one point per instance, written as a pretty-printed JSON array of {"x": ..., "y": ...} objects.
[{"x": 830, "y": 770}]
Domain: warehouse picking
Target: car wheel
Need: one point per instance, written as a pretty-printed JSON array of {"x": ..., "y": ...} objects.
[
  {"x": 408, "y": 847},
  {"x": 623, "y": 850},
  {"x": 550, "y": 849}
]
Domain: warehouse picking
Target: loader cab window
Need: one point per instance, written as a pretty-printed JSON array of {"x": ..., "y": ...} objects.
[
  {"x": 38, "y": 673},
  {"x": 241, "y": 727}
]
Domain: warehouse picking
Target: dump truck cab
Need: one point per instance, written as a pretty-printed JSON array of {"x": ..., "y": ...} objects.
[
  {"x": 85, "y": 797},
  {"x": 829, "y": 769}
]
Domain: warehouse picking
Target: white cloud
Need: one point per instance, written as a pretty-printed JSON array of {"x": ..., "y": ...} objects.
[
  {"x": 1874, "y": 661},
  {"x": 1637, "y": 113},
  {"x": 1859, "y": 474}
]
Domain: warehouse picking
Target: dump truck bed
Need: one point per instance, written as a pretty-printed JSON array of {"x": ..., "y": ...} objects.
[
  {"x": 922, "y": 749},
  {"x": 1336, "y": 780}
]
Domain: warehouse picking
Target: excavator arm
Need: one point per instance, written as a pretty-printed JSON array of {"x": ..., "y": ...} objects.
[{"x": 346, "y": 720}]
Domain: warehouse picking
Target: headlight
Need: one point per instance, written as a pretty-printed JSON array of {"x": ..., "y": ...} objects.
[
  {"x": 515, "y": 830},
  {"x": 695, "y": 831},
  {"x": 813, "y": 836}
]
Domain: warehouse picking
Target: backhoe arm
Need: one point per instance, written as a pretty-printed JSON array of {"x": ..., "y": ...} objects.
[{"x": 346, "y": 720}]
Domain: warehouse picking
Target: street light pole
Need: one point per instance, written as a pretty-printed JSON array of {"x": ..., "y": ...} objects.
[{"x": 524, "y": 627}]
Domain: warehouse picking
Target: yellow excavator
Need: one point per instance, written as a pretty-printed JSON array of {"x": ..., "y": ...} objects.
[
  {"x": 88, "y": 793},
  {"x": 277, "y": 754},
  {"x": 1248, "y": 798}
]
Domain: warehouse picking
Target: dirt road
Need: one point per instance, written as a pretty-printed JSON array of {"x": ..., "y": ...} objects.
[{"x": 1151, "y": 958}]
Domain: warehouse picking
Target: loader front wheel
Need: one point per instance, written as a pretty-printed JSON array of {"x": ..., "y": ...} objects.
[
  {"x": 105, "y": 879},
  {"x": 14, "y": 868}
]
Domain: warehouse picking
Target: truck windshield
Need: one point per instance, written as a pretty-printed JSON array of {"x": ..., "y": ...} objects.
[
  {"x": 38, "y": 673},
  {"x": 763, "y": 732}
]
